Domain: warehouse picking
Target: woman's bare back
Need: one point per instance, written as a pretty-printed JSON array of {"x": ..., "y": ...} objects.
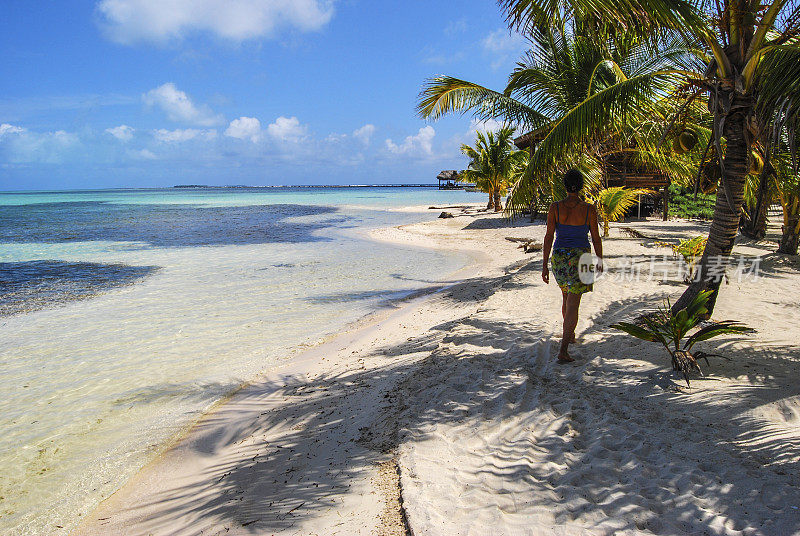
[{"x": 569, "y": 212}]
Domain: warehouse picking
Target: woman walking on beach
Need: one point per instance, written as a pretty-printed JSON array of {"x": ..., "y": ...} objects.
[{"x": 571, "y": 221}]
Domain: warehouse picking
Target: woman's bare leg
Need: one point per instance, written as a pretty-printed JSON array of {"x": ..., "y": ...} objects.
[
  {"x": 573, "y": 302},
  {"x": 564, "y": 312}
]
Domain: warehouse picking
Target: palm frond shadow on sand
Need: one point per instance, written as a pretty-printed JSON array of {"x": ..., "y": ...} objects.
[{"x": 595, "y": 416}]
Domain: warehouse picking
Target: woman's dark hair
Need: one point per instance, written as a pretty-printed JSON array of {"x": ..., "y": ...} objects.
[{"x": 573, "y": 181}]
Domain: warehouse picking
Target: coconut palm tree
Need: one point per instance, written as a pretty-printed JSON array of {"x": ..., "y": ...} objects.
[
  {"x": 759, "y": 194},
  {"x": 752, "y": 80},
  {"x": 560, "y": 83},
  {"x": 669, "y": 327},
  {"x": 788, "y": 187},
  {"x": 493, "y": 164},
  {"x": 776, "y": 182},
  {"x": 612, "y": 203}
]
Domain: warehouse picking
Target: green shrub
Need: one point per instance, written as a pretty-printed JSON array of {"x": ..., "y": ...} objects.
[
  {"x": 684, "y": 205},
  {"x": 691, "y": 249}
]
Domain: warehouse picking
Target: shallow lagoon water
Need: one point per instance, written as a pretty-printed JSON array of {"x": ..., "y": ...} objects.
[{"x": 128, "y": 313}]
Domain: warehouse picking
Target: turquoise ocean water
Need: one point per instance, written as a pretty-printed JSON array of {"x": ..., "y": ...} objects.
[{"x": 126, "y": 313}]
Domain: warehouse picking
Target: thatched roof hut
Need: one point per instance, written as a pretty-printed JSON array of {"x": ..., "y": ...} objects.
[
  {"x": 448, "y": 180},
  {"x": 620, "y": 168},
  {"x": 531, "y": 139},
  {"x": 448, "y": 174}
]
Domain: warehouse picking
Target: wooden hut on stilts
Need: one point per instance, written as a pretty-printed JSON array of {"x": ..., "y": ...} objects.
[
  {"x": 448, "y": 180},
  {"x": 620, "y": 170}
]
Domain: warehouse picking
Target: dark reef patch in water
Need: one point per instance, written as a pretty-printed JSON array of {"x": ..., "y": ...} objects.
[
  {"x": 347, "y": 297},
  {"x": 33, "y": 285},
  {"x": 163, "y": 225}
]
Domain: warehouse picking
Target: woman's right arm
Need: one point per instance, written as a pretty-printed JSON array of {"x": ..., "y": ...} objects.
[
  {"x": 548, "y": 242},
  {"x": 594, "y": 229}
]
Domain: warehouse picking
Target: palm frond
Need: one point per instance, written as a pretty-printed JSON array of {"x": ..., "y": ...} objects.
[
  {"x": 538, "y": 89},
  {"x": 493, "y": 161},
  {"x": 644, "y": 16},
  {"x": 605, "y": 74},
  {"x": 665, "y": 50},
  {"x": 777, "y": 85},
  {"x": 614, "y": 108},
  {"x": 612, "y": 203},
  {"x": 698, "y": 307},
  {"x": 661, "y": 330},
  {"x": 778, "y": 78},
  {"x": 443, "y": 95},
  {"x": 651, "y": 153},
  {"x": 637, "y": 331},
  {"x": 541, "y": 186},
  {"x": 716, "y": 329}
]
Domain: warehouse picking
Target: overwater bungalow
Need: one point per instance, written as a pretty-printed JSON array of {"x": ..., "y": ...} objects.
[{"x": 448, "y": 180}]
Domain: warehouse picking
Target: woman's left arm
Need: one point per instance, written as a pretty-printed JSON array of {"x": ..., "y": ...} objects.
[
  {"x": 548, "y": 242},
  {"x": 594, "y": 228}
]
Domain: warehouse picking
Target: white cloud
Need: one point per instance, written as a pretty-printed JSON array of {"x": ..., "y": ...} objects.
[
  {"x": 179, "y": 107},
  {"x": 245, "y": 128},
  {"x": 434, "y": 56},
  {"x": 364, "y": 134},
  {"x": 287, "y": 129},
  {"x": 455, "y": 27},
  {"x": 489, "y": 125},
  {"x": 143, "y": 154},
  {"x": 122, "y": 132},
  {"x": 20, "y": 145},
  {"x": 64, "y": 137},
  {"x": 186, "y": 134},
  {"x": 503, "y": 41},
  {"x": 469, "y": 135},
  {"x": 5, "y": 128},
  {"x": 335, "y": 137},
  {"x": 503, "y": 45},
  {"x": 131, "y": 21},
  {"x": 420, "y": 143}
]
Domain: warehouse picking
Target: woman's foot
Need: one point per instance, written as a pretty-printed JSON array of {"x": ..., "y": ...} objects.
[
  {"x": 564, "y": 357},
  {"x": 572, "y": 339}
]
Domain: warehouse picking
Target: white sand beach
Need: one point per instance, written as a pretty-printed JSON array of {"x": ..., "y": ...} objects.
[{"x": 448, "y": 414}]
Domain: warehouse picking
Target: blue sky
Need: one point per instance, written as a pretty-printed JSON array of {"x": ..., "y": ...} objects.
[{"x": 141, "y": 93}]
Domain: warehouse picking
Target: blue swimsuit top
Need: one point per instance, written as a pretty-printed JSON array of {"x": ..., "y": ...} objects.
[{"x": 572, "y": 236}]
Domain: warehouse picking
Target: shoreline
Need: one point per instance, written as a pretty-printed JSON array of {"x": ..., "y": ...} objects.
[
  {"x": 157, "y": 355},
  {"x": 304, "y": 359},
  {"x": 449, "y": 416},
  {"x": 302, "y": 363}
]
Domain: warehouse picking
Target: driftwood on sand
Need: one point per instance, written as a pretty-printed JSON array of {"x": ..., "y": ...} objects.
[
  {"x": 633, "y": 233},
  {"x": 528, "y": 245}
]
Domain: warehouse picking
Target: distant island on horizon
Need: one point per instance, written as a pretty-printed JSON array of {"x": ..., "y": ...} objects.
[{"x": 310, "y": 186}]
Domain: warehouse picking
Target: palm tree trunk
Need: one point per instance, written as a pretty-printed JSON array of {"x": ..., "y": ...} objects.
[
  {"x": 725, "y": 224},
  {"x": 756, "y": 226},
  {"x": 490, "y": 206},
  {"x": 791, "y": 234},
  {"x": 498, "y": 203}
]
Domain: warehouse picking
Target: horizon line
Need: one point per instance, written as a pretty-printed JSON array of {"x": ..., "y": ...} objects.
[{"x": 229, "y": 186}]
